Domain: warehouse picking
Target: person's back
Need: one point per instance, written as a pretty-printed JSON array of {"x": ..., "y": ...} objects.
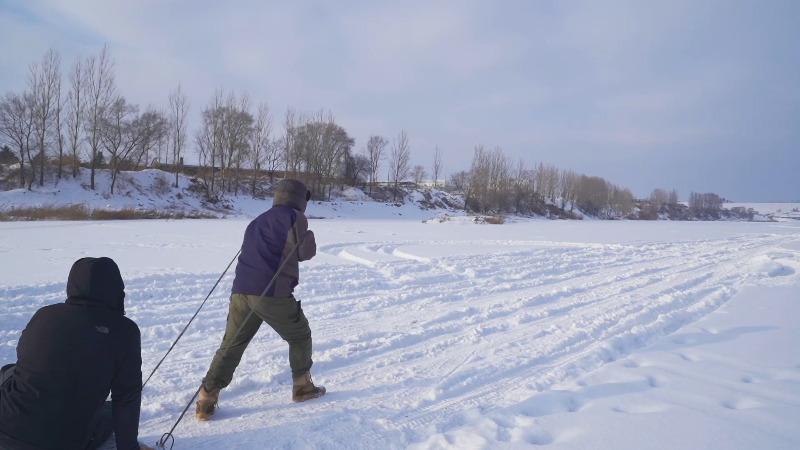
[{"x": 70, "y": 356}]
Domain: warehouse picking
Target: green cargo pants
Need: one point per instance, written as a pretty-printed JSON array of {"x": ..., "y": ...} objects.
[{"x": 284, "y": 315}]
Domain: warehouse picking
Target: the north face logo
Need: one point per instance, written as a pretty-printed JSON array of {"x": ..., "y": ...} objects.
[{"x": 102, "y": 329}]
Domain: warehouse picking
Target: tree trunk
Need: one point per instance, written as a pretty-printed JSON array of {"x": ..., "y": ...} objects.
[
  {"x": 33, "y": 170},
  {"x": 41, "y": 163},
  {"x": 60, "y": 157},
  {"x": 22, "y": 167}
]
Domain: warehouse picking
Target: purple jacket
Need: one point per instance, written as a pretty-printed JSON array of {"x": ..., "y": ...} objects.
[{"x": 269, "y": 239}]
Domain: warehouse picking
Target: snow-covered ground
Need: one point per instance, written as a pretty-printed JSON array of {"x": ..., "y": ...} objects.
[
  {"x": 579, "y": 334},
  {"x": 772, "y": 211}
]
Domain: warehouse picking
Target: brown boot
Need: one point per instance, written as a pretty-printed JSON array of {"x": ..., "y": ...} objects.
[
  {"x": 207, "y": 404},
  {"x": 303, "y": 389}
]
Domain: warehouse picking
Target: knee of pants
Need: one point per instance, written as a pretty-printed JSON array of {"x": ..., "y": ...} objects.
[{"x": 298, "y": 337}]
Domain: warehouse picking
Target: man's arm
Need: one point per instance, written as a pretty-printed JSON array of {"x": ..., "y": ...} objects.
[
  {"x": 308, "y": 248},
  {"x": 126, "y": 393}
]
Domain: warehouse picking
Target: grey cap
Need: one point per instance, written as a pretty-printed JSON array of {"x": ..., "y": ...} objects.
[{"x": 292, "y": 193}]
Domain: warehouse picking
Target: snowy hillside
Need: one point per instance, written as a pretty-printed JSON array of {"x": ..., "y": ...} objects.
[
  {"x": 153, "y": 189},
  {"x": 569, "y": 335}
]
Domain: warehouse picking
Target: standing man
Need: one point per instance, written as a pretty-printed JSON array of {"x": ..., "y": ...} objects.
[
  {"x": 69, "y": 357},
  {"x": 269, "y": 241}
]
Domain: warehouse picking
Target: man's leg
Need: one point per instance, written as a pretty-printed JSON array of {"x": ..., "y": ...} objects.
[
  {"x": 220, "y": 373},
  {"x": 104, "y": 426},
  {"x": 286, "y": 317}
]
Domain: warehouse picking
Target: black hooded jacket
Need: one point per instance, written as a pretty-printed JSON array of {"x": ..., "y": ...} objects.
[{"x": 70, "y": 356}]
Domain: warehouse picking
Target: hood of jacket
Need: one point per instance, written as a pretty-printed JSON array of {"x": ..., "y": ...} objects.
[
  {"x": 96, "y": 282},
  {"x": 292, "y": 193}
]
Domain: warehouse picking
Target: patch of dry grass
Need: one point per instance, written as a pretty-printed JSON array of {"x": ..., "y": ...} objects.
[
  {"x": 74, "y": 212},
  {"x": 495, "y": 220}
]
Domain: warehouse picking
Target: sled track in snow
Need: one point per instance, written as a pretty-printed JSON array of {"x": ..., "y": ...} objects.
[{"x": 405, "y": 343}]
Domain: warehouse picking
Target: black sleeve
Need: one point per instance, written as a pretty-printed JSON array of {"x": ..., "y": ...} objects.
[{"x": 126, "y": 393}]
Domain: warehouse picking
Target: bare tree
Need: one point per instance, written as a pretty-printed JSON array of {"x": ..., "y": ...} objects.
[
  {"x": 659, "y": 197},
  {"x": 375, "y": 152},
  {"x": 59, "y": 123},
  {"x": 567, "y": 185},
  {"x": 260, "y": 145},
  {"x": 318, "y": 152},
  {"x": 209, "y": 138},
  {"x": 399, "y": 161},
  {"x": 418, "y": 174},
  {"x": 114, "y": 132},
  {"x": 437, "y": 166},
  {"x": 178, "y": 116},
  {"x": 291, "y": 123},
  {"x": 709, "y": 202},
  {"x": 490, "y": 187},
  {"x": 75, "y": 111},
  {"x": 459, "y": 180},
  {"x": 521, "y": 184},
  {"x": 99, "y": 95},
  {"x": 147, "y": 132},
  {"x": 274, "y": 156},
  {"x": 237, "y": 128},
  {"x": 44, "y": 83},
  {"x": 16, "y": 124},
  {"x": 672, "y": 198},
  {"x": 592, "y": 194},
  {"x": 551, "y": 182},
  {"x": 357, "y": 169}
]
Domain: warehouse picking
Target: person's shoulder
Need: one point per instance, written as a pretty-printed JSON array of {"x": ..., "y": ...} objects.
[
  {"x": 49, "y": 310},
  {"x": 129, "y": 327}
]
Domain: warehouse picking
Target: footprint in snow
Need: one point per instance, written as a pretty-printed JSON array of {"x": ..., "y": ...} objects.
[
  {"x": 630, "y": 364},
  {"x": 654, "y": 382},
  {"x": 540, "y": 438},
  {"x": 641, "y": 408},
  {"x": 741, "y": 403}
]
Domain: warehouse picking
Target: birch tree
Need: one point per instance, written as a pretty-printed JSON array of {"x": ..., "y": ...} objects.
[
  {"x": 399, "y": 161},
  {"x": 75, "y": 112},
  {"x": 260, "y": 144},
  {"x": 99, "y": 95},
  {"x": 44, "y": 84},
  {"x": 178, "y": 116},
  {"x": 376, "y": 146},
  {"x": 437, "y": 166}
]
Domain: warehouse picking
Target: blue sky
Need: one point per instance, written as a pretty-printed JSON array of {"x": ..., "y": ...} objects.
[{"x": 693, "y": 95}]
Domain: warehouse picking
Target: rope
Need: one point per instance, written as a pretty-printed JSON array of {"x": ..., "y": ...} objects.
[
  {"x": 191, "y": 320},
  {"x": 167, "y": 436}
]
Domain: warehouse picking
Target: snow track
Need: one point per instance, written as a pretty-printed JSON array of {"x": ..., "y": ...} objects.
[{"x": 406, "y": 342}]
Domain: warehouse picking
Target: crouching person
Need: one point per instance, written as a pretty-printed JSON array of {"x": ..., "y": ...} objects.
[
  {"x": 69, "y": 357},
  {"x": 268, "y": 243}
]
